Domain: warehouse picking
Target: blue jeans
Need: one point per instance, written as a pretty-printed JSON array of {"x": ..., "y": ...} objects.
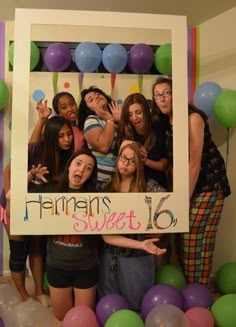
[{"x": 130, "y": 277}]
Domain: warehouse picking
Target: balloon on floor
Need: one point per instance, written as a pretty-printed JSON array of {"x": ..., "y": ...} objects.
[
  {"x": 171, "y": 275},
  {"x": 166, "y": 315},
  {"x": 196, "y": 295},
  {"x": 226, "y": 278}
]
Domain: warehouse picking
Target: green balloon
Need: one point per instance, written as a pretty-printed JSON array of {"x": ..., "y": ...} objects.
[
  {"x": 171, "y": 275},
  {"x": 4, "y": 94},
  {"x": 224, "y": 311},
  {"x": 163, "y": 59},
  {"x": 225, "y": 108},
  {"x": 124, "y": 318},
  {"x": 45, "y": 282},
  {"x": 34, "y": 55},
  {"x": 226, "y": 278}
]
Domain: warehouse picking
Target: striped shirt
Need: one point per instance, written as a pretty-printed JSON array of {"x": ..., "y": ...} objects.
[{"x": 106, "y": 161}]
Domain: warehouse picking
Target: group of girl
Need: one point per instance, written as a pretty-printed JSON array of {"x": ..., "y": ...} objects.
[{"x": 99, "y": 147}]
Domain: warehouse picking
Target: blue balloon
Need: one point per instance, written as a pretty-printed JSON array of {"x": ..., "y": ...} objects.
[
  {"x": 205, "y": 96},
  {"x": 114, "y": 58},
  {"x": 87, "y": 57}
]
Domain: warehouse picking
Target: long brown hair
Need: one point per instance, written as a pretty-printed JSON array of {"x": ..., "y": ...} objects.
[
  {"x": 138, "y": 181},
  {"x": 126, "y": 130}
]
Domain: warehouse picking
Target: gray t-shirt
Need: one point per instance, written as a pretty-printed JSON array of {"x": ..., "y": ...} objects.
[{"x": 71, "y": 252}]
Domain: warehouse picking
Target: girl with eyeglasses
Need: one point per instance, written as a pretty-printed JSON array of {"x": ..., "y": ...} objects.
[
  {"x": 127, "y": 262},
  {"x": 136, "y": 125},
  {"x": 208, "y": 185}
]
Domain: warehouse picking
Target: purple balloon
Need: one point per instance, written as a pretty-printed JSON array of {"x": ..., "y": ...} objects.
[
  {"x": 140, "y": 58},
  {"x": 161, "y": 294},
  {"x": 196, "y": 295},
  {"x": 1, "y": 323},
  {"x": 109, "y": 304},
  {"x": 57, "y": 57}
]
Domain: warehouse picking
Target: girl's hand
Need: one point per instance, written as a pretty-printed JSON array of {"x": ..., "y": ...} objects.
[
  {"x": 43, "y": 111},
  {"x": 149, "y": 246},
  {"x": 143, "y": 152},
  {"x": 38, "y": 173},
  {"x": 115, "y": 110},
  {"x": 8, "y": 197},
  {"x": 104, "y": 114}
]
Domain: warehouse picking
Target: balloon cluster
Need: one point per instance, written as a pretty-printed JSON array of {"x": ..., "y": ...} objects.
[
  {"x": 214, "y": 101},
  {"x": 87, "y": 56},
  {"x": 171, "y": 303},
  {"x": 114, "y": 57}
]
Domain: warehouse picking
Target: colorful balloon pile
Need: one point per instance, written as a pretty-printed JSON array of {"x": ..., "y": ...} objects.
[{"x": 164, "y": 304}]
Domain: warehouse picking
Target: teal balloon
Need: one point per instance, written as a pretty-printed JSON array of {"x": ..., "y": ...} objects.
[
  {"x": 225, "y": 108},
  {"x": 163, "y": 59},
  {"x": 224, "y": 311},
  {"x": 114, "y": 58},
  {"x": 226, "y": 278},
  {"x": 4, "y": 94},
  {"x": 171, "y": 275},
  {"x": 123, "y": 318},
  {"x": 205, "y": 96},
  {"x": 34, "y": 55}
]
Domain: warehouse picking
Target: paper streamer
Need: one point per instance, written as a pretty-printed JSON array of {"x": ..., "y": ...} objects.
[
  {"x": 113, "y": 81},
  {"x": 193, "y": 61},
  {"x": 55, "y": 82},
  {"x": 140, "y": 83},
  {"x": 80, "y": 83}
]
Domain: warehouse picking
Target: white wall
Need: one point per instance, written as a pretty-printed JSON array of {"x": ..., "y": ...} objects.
[{"x": 218, "y": 64}]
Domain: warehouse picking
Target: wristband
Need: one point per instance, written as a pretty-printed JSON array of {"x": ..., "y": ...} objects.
[{"x": 109, "y": 120}]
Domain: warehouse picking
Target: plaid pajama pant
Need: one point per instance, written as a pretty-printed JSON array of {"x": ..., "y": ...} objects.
[{"x": 197, "y": 246}]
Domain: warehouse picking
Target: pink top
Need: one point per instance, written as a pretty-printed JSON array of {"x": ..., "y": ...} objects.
[{"x": 79, "y": 140}]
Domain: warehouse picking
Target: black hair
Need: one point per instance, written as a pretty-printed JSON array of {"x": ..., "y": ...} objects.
[
  {"x": 84, "y": 111},
  {"x": 56, "y": 99},
  {"x": 53, "y": 157}
]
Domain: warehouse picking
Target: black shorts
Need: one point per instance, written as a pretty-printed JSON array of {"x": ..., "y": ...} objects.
[{"x": 82, "y": 279}]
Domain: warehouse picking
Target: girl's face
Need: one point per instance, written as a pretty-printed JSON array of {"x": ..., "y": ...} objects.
[
  {"x": 67, "y": 108},
  {"x": 65, "y": 138},
  {"x": 136, "y": 117},
  {"x": 80, "y": 170},
  {"x": 126, "y": 162},
  {"x": 162, "y": 94},
  {"x": 95, "y": 100}
]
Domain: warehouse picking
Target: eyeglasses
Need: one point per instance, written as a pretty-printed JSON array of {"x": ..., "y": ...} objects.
[
  {"x": 164, "y": 94},
  {"x": 130, "y": 161}
]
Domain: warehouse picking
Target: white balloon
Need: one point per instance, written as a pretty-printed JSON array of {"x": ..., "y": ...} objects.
[{"x": 9, "y": 298}]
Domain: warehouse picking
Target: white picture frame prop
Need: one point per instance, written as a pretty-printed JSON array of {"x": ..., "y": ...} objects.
[{"x": 94, "y": 213}]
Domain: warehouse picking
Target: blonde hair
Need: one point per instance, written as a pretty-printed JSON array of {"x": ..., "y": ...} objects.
[{"x": 138, "y": 182}]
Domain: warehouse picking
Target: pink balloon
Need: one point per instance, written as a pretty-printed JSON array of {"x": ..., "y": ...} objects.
[
  {"x": 80, "y": 316},
  {"x": 200, "y": 317}
]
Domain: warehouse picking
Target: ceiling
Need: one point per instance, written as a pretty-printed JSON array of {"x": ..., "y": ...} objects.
[{"x": 197, "y": 12}]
